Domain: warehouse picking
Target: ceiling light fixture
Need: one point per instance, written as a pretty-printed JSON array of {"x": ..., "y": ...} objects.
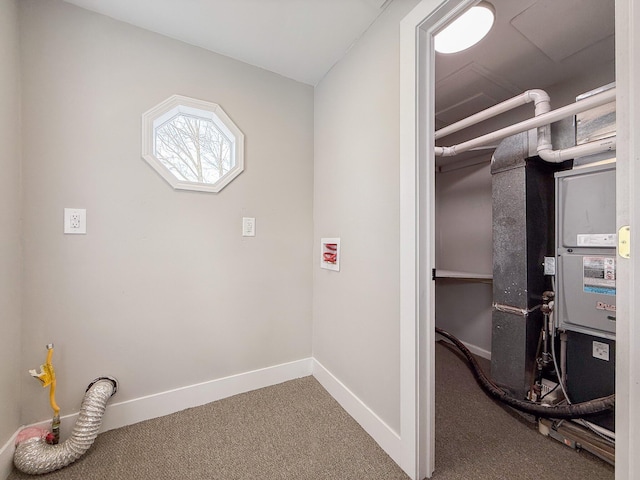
[{"x": 466, "y": 30}]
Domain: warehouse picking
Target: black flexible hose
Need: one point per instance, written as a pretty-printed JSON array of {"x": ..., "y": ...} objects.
[{"x": 575, "y": 410}]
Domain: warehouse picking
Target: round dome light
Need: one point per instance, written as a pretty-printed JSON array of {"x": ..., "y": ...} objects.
[{"x": 466, "y": 30}]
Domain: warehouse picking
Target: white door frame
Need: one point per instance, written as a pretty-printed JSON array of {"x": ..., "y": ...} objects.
[
  {"x": 628, "y": 213},
  {"x": 417, "y": 238}
]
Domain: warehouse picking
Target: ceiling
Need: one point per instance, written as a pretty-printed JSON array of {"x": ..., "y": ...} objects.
[
  {"x": 533, "y": 44},
  {"x": 299, "y": 39}
]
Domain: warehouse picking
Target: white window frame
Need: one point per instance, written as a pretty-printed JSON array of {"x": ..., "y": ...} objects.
[{"x": 179, "y": 104}]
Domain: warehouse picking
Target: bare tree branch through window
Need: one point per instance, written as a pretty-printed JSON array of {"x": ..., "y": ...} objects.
[{"x": 193, "y": 148}]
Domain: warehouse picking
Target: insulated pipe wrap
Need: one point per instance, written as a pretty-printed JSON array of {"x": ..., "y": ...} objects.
[
  {"x": 576, "y": 410},
  {"x": 35, "y": 456}
]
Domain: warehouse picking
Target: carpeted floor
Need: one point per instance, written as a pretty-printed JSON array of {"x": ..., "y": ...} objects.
[
  {"x": 476, "y": 438},
  {"x": 296, "y": 430}
]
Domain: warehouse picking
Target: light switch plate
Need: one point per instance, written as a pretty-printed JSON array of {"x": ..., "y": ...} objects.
[
  {"x": 248, "y": 227},
  {"x": 549, "y": 265}
]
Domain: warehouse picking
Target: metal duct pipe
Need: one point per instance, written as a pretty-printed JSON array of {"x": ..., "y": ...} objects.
[
  {"x": 522, "y": 230},
  {"x": 542, "y": 119},
  {"x": 35, "y": 456}
]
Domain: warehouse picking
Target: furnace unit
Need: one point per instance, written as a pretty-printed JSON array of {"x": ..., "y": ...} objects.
[
  {"x": 586, "y": 280},
  {"x": 586, "y": 250}
]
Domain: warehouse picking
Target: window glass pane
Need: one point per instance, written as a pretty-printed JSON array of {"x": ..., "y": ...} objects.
[{"x": 193, "y": 148}]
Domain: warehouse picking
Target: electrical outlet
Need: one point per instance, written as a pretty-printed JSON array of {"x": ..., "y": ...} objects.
[
  {"x": 75, "y": 221},
  {"x": 601, "y": 351}
]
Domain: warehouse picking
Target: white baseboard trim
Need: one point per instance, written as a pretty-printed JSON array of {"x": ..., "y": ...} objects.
[
  {"x": 171, "y": 401},
  {"x": 481, "y": 352},
  {"x": 120, "y": 414},
  {"x": 384, "y": 435},
  {"x": 125, "y": 413}
]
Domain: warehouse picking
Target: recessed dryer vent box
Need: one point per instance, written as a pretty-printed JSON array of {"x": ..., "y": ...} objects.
[{"x": 330, "y": 254}]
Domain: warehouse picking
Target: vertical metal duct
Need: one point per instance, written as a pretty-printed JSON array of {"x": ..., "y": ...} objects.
[{"x": 523, "y": 221}]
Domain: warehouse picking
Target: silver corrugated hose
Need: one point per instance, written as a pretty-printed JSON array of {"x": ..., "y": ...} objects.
[{"x": 35, "y": 456}]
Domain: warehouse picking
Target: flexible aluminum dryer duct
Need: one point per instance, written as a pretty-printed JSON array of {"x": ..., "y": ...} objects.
[{"x": 35, "y": 456}]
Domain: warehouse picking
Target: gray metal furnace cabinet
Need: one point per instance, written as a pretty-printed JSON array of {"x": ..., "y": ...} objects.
[{"x": 586, "y": 250}]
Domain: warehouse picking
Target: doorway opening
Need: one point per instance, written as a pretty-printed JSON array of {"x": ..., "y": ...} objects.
[
  {"x": 480, "y": 233},
  {"x": 455, "y": 197}
]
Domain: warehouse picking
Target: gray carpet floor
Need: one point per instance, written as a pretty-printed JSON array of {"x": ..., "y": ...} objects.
[
  {"x": 296, "y": 430},
  {"x": 476, "y": 438}
]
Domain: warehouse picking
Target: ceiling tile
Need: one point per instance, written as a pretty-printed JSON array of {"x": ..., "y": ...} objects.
[
  {"x": 563, "y": 28},
  {"x": 483, "y": 89}
]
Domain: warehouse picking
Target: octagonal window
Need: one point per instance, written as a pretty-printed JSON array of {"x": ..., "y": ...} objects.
[{"x": 192, "y": 144}]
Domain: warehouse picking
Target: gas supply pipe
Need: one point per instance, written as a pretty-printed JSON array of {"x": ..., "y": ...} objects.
[{"x": 47, "y": 377}]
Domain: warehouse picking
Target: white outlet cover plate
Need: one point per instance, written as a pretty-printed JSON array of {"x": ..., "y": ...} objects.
[
  {"x": 75, "y": 221},
  {"x": 601, "y": 350},
  {"x": 248, "y": 227}
]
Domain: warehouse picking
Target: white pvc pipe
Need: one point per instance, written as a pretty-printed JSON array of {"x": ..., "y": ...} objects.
[
  {"x": 539, "y": 97},
  {"x": 603, "y": 431},
  {"x": 541, "y": 120},
  {"x": 563, "y": 359},
  {"x": 591, "y": 148}
]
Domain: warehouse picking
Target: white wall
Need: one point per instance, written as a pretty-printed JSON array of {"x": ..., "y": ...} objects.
[
  {"x": 464, "y": 243},
  {"x": 163, "y": 291},
  {"x": 356, "y": 326},
  {"x": 10, "y": 251}
]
